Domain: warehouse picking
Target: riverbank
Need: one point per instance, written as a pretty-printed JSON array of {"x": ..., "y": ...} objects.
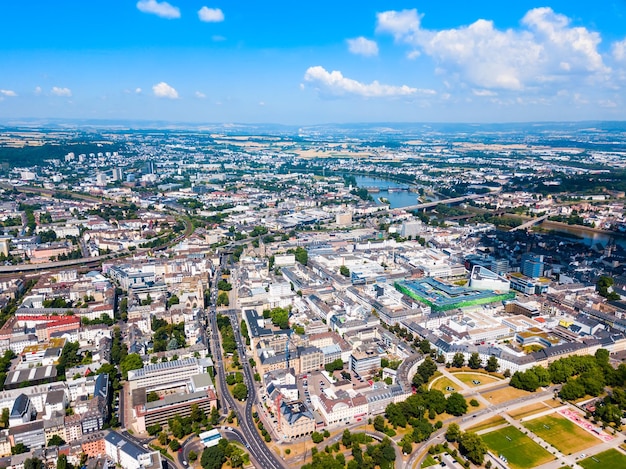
[{"x": 557, "y": 225}]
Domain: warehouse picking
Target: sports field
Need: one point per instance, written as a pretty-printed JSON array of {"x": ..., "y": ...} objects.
[
  {"x": 607, "y": 459},
  {"x": 561, "y": 433},
  {"x": 520, "y": 451}
]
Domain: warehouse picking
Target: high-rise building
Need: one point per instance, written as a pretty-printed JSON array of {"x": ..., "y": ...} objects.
[
  {"x": 532, "y": 265},
  {"x": 500, "y": 266}
]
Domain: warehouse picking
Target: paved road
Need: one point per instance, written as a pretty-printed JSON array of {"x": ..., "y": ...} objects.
[{"x": 256, "y": 446}]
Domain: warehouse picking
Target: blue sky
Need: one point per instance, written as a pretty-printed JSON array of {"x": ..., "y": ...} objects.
[{"x": 313, "y": 62}]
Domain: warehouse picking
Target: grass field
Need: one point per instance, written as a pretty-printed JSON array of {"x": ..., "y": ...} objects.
[
  {"x": 490, "y": 422},
  {"x": 429, "y": 461},
  {"x": 504, "y": 394},
  {"x": 607, "y": 459},
  {"x": 561, "y": 433},
  {"x": 520, "y": 451},
  {"x": 528, "y": 410},
  {"x": 467, "y": 378},
  {"x": 442, "y": 383}
]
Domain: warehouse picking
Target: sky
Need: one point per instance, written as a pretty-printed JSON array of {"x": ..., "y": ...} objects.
[{"x": 299, "y": 63}]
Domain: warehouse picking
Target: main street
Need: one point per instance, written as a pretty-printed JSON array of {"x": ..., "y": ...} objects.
[{"x": 256, "y": 446}]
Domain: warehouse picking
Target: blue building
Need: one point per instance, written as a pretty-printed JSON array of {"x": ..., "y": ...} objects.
[{"x": 532, "y": 265}]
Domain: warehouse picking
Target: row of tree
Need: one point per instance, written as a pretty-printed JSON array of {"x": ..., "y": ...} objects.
[{"x": 581, "y": 374}]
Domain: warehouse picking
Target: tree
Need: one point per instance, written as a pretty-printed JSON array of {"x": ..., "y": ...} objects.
[
  {"x": 379, "y": 423},
  {"x": 240, "y": 392},
  {"x": 56, "y": 440},
  {"x": 456, "y": 404},
  {"x": 19, "y": 449},
  {"x": 301, "y": 255},
  {"x": 33, "y": 463},
  {"x": 192, "y": 456},
  {"x": 343, "y": 270},
  {"x": 492, "y": 364},
  {"x": 458, "y": 360},
  {"x": 602, "y": 356},
  {"x": 224, "y": 285},
  {"x": 213, "y": 457},
  {"x": 526, "y": 380},
  {"x": 215, "y": 416},
  {"x": 154, "y": 429},
  {"x": 473, "y": 447},
  {"x": 346, "y": 438},
  {"x": 424, "y": 346},
  {"x": 132, "y": 361},
  {"x": 453, "y": 433},
  {"x": 334, "y": 365},
  {"x": 222, "y": 299},
  {"x": 427, "y": 369},
  {"x": 62, "y": 462},
  {"x": 152, "y": 396},
  {"x": 5, "y": 417},
  {"x": 474, "y": 361},
  {"x": 174, "y": 445},
  {"x": 317, "y": 437}
]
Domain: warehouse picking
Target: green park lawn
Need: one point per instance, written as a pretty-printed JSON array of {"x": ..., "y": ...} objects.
[
  {"x": 561, "y": 433},
  {"x": 467, "y": 378},
  {"x": 442, "y": 383},
  {"x": 520, "y": 451},
  {"x": 607, "y": 459}
]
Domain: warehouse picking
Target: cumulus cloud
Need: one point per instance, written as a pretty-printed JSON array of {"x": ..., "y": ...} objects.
[
  {"x": 163, "y": 90},
  {"x": 37, "y": 90},
  {"x": 9, "y": 93},
  {"x": 362, "y": 46},
  {"x": 162, "y": 9},
  {"x": 200, "y": 95},
  {"x": 58, "y": 91},
  {"x": 210, "y": 15},
  {"x": 335, "y": 83},
  {"x": 138, "y": 90},
  {"x": 545, "y": 49},
  {"x": 619, "y": 50}
]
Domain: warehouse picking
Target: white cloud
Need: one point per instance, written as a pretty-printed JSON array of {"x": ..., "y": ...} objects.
[
  {"x": 619, "y": 50},
  {"x": 162, "y": 9},
  {"x": 210, "y": 15},
  {"x": 362, "y": 46},
  {"x": 138, "y": 90},
  {"x": 200, "y": 95},
  {"x": 261, "y": 103},
  {"x": 335, "y": 83},
  {"x": 412, "y": 55},
  {"x": 545, "y": 49},
  {"x": 163, "y": 90},
  {"x": 58, "y": 91},
  {"x": 398, "y": 23},
  {"x": 484, "y": 93},
  {"x": 9, "y": 93},
  {"x": 37, "y": 90}
]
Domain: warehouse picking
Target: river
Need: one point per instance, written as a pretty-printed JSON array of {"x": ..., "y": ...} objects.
[
  {"x": 587, "y": 237},
  {"x": 396, "y": 199}
]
